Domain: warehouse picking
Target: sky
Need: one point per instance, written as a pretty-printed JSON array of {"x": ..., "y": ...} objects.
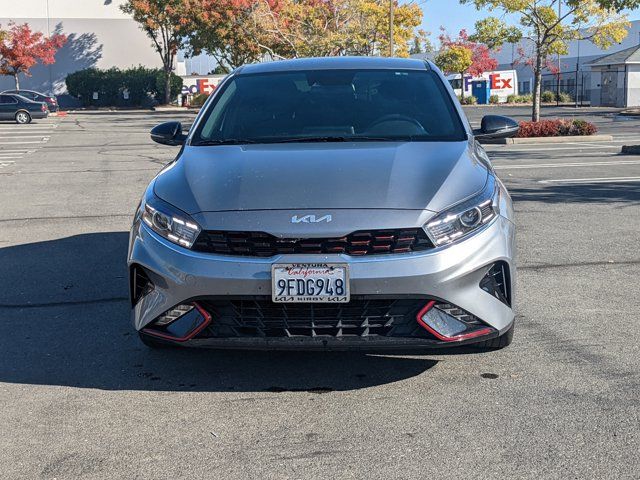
[{"x": 454, "y": 17}]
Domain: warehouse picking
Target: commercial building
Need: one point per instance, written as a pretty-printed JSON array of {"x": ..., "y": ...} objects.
[
  {"x": 576, "y": 77},
  {"x": 99, "y": 35}
]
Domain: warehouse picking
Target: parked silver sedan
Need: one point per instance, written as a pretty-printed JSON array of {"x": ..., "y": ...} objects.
[{"x": 332, "y": 203}]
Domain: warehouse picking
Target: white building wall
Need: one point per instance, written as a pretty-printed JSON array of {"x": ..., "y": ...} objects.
[
  {"x": 100, "y": 35},
  {"x": 633, "y": 85}
]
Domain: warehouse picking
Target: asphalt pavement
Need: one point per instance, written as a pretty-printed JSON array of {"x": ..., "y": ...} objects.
[{"x": 81, "y": 397}]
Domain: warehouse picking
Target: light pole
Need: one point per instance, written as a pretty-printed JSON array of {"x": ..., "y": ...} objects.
[
  {"x": 391, "y": 12},
  {"x": 50, "y": 66},
  {"x": 577, "y": 70},
  {"x": 559, "y": 66}
]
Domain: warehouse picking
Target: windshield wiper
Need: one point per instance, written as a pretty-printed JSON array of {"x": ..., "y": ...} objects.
[{"x": 226, "y": 141}]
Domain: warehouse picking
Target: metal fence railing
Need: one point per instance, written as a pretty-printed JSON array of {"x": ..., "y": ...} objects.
[{"x": 569, "y": 88}]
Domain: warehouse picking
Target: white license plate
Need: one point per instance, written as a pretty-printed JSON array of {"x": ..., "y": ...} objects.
[{"x": 310, "y": 283}]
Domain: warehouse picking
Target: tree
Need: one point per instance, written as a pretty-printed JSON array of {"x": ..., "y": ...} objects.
[
  {"x": 165, "y": 22},
  {"x": 236, "y": 32},
  {"x": 21, "y": 49},
  {"x": 464, "y": 56},
  {"x": 548, "y": 25},
  {"x": 228, "y": 30}
]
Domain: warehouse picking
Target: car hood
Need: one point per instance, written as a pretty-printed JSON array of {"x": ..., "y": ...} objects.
[{"x": 352, "y": 175}]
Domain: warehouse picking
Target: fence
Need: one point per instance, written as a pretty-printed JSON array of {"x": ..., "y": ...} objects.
[{"x": 570, "y": 88}]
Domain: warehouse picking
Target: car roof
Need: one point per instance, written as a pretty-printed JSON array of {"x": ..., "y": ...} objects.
[
  {"x": 335, "y": 63},
  {"x": 15, "y": 92}
]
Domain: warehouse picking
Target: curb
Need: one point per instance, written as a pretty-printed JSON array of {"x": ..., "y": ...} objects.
[{"x": 538, "y": 140}]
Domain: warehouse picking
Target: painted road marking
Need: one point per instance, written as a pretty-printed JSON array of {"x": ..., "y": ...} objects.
[
  {"x": 570, "y": 164},
  {"x": 19, "y": 141},
  {"x": 593, "y": 180}
]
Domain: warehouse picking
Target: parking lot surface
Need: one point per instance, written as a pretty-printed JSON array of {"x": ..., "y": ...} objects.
[{"x": 83, "y": 398}]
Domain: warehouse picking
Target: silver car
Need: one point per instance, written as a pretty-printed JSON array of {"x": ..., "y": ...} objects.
[{"x": 333, "y": 203}]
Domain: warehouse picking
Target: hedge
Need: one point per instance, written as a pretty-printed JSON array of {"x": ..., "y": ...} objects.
[
  {"x": 556, "y": 128},
  {"x": 145, "y": 86}
]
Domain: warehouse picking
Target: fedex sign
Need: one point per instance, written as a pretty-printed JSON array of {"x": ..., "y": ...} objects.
[
  {"x": 192, "y": 85},
  {"x": 502, "y": 83}
]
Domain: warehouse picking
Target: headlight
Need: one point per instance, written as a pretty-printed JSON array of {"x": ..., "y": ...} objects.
[
  {"x": 466, "y": 217},
  {"x": 169, "y": 222}
]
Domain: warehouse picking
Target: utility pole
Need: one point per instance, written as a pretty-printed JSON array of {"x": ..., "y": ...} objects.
[
  {"x": 391, "y": 9},
  {"x": 50, "y": 66},
  {"x": 559, "y": 66}
]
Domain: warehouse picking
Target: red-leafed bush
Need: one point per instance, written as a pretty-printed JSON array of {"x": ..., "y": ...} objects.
[{"x": 556, "y": 128}]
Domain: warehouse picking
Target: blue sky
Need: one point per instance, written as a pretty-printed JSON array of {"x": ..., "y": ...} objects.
[{"x": 453, "y": 16}]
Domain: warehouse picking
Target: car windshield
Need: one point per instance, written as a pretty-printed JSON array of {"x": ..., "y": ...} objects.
[{"x": 330, "y": 105}]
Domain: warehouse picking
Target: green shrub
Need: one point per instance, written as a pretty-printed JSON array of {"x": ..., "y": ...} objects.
[
  {"x": 494, "y": 99},
  {"x": 469, "y": 100},
  {"x": 564, "y": 97},
  {"x": 144, "y": 86},
  {"x": 198, "y": 100},
  {"x": 512, "y": 98},
  {"x": 548, "y": 96}
]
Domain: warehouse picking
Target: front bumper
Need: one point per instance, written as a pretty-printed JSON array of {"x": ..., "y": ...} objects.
[{"x": 451, "y": 274}]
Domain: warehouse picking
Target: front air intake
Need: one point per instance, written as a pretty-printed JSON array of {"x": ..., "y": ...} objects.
[
  {"x": 497, "y": 282},
  {"x": 140, "y": 283}
]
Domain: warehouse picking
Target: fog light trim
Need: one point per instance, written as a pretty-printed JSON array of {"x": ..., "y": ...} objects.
[
  {"x": 458, "y": 337},
  {"x": 195, "y": 331}
]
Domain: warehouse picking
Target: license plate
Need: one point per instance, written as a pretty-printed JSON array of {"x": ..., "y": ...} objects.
[{"x": 310, "y": 283}]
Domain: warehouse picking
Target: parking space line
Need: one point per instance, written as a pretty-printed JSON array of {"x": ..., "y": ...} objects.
[
  {"x": 567, "y": 164},
  {"x": 592, "y": 180},
  {"x": 566, "y": 146}
]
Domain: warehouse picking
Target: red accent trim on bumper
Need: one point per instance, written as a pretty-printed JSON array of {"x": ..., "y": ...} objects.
[
  {"x": 457, "y": 338},
  {"x": 190, "y": 335}
]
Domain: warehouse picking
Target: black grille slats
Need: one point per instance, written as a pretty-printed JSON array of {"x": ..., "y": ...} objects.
[
  {"x": 360, "y": 317},
  {"x": 259, "y": 244}
]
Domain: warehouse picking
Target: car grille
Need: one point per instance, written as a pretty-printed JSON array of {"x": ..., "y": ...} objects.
[
  {"x": 359, "y": 317},
  {"x": 365, "y": 242}
]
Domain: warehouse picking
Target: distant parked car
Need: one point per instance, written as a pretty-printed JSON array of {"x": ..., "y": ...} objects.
[
  {"x": 50, "y": 100},
  {"x": 21, "y": 109}
]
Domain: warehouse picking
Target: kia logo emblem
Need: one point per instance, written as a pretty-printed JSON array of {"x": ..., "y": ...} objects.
[{"x": 311, "y": 219}]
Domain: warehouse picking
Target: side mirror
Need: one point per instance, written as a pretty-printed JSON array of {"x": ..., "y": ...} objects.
[
  {"x": 169, "y": 133},
  {"x": 496, "y": 126}
]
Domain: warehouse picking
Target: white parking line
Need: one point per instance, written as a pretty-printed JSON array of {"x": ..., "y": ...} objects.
[
  {"x": 565, "y": 147},
  {"x": 19, "y": 141},
  {"x": 569, "y": 164},
  {"x": 25, "y": 136},
  {"x": 593, "y": 180}
]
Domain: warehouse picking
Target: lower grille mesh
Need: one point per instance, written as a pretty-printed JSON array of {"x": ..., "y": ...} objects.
[{"x": 360, "y": 317}]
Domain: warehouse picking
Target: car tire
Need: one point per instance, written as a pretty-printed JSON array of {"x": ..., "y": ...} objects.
[
  {"x": 497, "y": 343},
  {"x": 23, "y": 118},
  {"x": 153, "y": 342}
]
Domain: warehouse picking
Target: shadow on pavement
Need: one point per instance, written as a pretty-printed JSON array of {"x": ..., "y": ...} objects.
[
  {"x": 64, "y": 320},
  {"x": 578, "y": 193}
]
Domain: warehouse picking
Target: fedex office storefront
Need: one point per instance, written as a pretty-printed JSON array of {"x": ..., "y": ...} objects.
[{"x": 501, "y": 83}]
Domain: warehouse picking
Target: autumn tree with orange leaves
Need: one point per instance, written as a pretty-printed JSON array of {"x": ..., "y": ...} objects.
[
  {"x": 167, "y": 24},
  {"x": 21, "y": 49}
]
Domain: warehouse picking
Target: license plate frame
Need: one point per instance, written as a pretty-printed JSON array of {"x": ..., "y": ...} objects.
[{"x": 305, "y": 272}]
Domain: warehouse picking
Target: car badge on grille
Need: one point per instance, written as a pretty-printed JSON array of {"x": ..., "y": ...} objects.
[{"x": 311, "y": 219}]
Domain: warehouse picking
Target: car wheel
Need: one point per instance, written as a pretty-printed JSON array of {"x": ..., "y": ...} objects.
[
  {"x": 497, "y": 343},
  {"x": 153, "y": 342},
  {"x": 23, "y": 118}
]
